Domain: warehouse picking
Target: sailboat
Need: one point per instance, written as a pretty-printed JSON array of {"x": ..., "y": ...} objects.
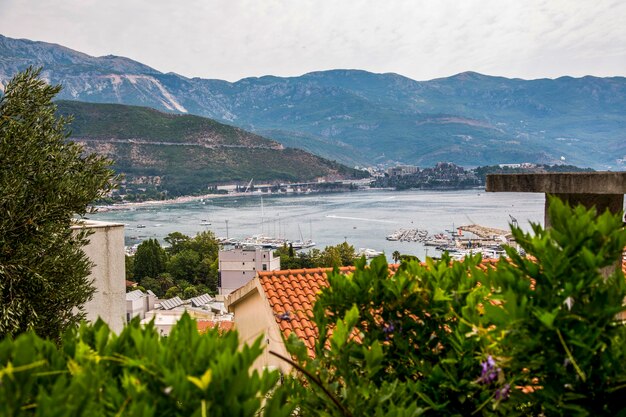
[{"x": 302, "y": 244}]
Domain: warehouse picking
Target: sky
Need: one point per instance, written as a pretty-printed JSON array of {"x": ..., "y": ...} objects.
[{"x": 420, "y": 39}]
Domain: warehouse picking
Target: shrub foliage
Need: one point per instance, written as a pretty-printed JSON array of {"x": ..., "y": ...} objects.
[
  {"x": 138, "y": 373},
  {"x": 528, "y": 336},
  {"x": 531, "y": 336}
]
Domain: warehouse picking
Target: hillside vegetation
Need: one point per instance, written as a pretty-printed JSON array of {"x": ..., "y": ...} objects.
[{"x": 184, "y": 154}]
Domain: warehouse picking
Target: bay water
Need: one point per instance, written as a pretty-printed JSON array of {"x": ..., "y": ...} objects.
[{"x": 361, "y": 218}]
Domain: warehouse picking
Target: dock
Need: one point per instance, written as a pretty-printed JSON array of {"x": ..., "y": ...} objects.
[{"x": 485, "y": 232}]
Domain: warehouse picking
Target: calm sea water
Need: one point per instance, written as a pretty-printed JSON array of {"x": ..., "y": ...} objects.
[{"x": 362, "y": 218}]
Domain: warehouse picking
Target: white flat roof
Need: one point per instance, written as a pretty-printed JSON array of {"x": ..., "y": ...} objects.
[{"x": 93, "y": 224}]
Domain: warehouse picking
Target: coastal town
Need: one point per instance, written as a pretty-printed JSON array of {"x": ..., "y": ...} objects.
[{"x": 313, "y": 209}]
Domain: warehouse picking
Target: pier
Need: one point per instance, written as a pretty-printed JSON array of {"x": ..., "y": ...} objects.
[{"x": 485, "y": 232}]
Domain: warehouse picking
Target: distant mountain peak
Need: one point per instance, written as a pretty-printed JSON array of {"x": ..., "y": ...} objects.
[
  {"x": 362, "y": 117},
  {"x": 469, "y": 75}
]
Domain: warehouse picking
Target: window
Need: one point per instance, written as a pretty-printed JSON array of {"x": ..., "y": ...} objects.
[{"x": 264, "y": 267}]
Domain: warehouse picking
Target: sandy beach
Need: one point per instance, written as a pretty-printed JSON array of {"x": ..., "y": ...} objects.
[{"x": 177, "y": 200}]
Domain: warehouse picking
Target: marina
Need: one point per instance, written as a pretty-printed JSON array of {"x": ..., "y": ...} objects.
[
  {"x": 408, "y": 235},
  {"x": 262, "y": 241},
  {"x": 364, "y": 219}
]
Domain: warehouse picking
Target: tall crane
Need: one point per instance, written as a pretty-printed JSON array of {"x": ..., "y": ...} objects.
[{"x": 249, "y": 185}]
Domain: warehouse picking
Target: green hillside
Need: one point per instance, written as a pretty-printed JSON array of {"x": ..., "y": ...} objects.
[{"x": 184, "y": 154}]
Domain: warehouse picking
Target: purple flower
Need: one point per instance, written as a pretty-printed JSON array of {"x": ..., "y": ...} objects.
[
  {"x": 390, "y": 328},
  {"x": 503, "y": 393},
  {"x": 489, "y": 371}
]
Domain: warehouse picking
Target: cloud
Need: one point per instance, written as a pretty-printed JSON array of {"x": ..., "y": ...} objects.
[{"x": 231, "y": 39}]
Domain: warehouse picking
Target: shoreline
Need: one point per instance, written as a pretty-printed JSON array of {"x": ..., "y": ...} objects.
[
  {"x": 191, "y": 198},
  {"x": 151, "y": 203}
]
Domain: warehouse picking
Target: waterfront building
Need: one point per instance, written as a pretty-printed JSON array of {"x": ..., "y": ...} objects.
[{"x": 401, "y": 170}]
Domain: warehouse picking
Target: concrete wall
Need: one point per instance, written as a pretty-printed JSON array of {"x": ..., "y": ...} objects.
[
  {"x": 253, "y": 318},
  {"x": 106, "y": 251},
  {"x": 139, "y": 306},
  {"x": 231, "y": 280},
  {"x": 135, "y": 308}
]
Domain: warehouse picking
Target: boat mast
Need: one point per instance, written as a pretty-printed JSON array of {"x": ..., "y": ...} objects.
[{"x": 262, "y": 215}]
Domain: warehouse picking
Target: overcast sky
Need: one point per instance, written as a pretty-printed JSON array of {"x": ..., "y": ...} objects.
[{"x": 232, "y": 39}]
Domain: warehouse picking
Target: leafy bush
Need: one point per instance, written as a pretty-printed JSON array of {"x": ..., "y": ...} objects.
[
  {"x": 534, "y": 336},
  {"x": 557, "y": 313},
  {"x": 397, "y": 343},
  {"x": 138, "y": 373}
]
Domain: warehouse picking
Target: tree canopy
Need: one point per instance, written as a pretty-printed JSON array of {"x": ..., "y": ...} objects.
[
  {"x": 187, "y": 267},
  {"x": 342, "y": 254},
  {"x": 44, "y": 182}
]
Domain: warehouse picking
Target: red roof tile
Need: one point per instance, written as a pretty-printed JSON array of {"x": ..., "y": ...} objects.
[
  {"x": 298, "y": 289},
  {"x": 222, "y": 326}
]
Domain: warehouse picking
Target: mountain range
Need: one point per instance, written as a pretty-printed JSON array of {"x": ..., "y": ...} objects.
[{"x": 358, "y": 117}]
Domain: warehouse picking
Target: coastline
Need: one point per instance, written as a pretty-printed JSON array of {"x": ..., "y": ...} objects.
[
  {"x": 191, "y": 198},
  {"x": 151, "y": 203}
]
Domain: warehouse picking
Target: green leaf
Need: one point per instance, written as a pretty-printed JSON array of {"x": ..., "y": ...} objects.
[
  {"x": 546, "y": 317},
  {"x": 440, "y": 295}
]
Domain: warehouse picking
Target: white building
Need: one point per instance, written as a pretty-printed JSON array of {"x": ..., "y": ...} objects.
[
  {"x": 138, "y": 303},
  {"x": 106, "y": 250},
  {"x": 240, "y": 265},
  {"x": 207, "y": 311}
]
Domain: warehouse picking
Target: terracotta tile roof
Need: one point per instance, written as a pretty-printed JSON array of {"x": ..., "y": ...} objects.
[
  {"x": 292, "y": 294},
  {"x": 222, "y": 326}
]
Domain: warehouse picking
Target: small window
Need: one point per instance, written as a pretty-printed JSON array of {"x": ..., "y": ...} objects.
[
  {"x": 254, "y": 268},
  {"x": 244, "y": 272},
  {"x": 264, "y": 267},
  {"x": 264, "y": 255}
]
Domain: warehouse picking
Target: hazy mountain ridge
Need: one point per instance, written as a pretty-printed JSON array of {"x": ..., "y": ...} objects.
[{"x": 360, "y": 117}]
